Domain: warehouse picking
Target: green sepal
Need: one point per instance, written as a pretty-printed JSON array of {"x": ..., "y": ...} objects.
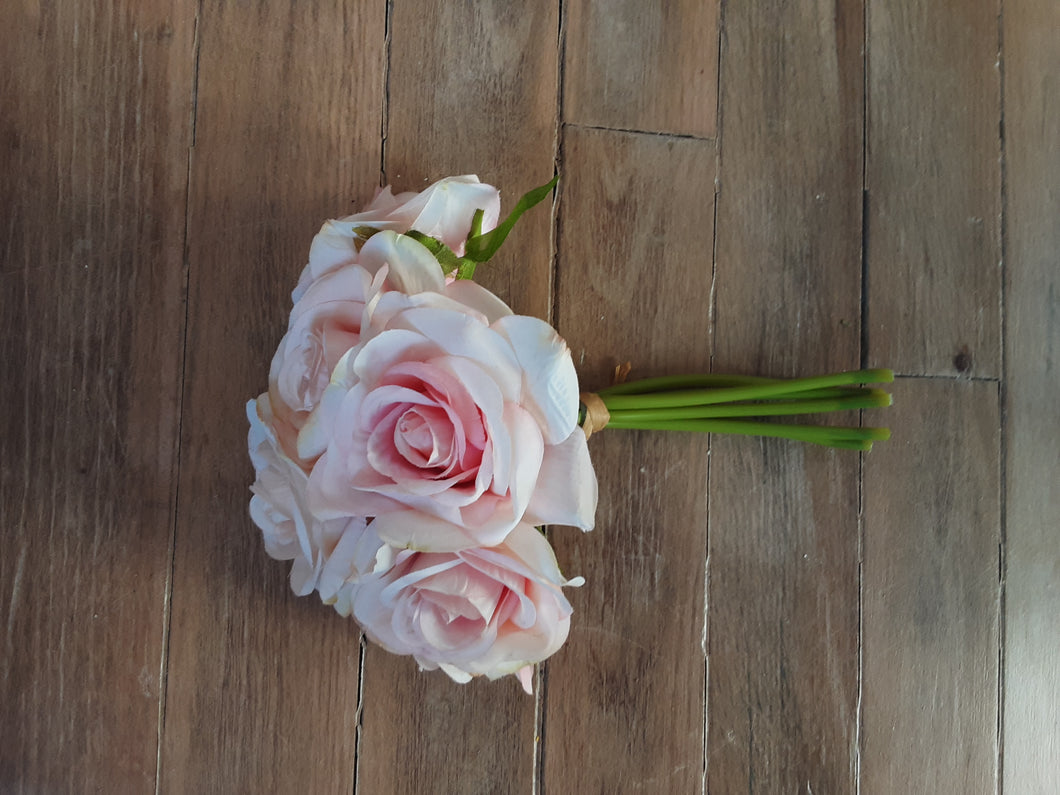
[
  {"x": 476, "y": 224},
  {"x": 365, "y": 232},
  {"x": 466, "y": 269},
  {"x": 481, "y": 247},
  {"x": 446, "y": 257}
]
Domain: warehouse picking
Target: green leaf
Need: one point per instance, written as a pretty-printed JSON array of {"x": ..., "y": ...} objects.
[{"x": 481, "y": 247}]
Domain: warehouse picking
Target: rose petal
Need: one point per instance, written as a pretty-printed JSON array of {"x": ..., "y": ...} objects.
[
  {"x": 550, "y": 385},
  {"x": 422, "y": 531},
  {"x": 454, "y": 673},
  {"x": 526, "y": 678},
  {"x": 459, "y": 334},
  {"x": 445, "y": 209},
  {"x": 388, "y": 349},
  {"x": 332, "y": 248},
  {"x": 566, "y": 492},
  {"x": 527, "y": 452},
  {"x": 480, "y": 299},
  {"x": 331, "y": 495},
  {"x": 413, "y": 269},
  {"x": 353, "y": 557}
]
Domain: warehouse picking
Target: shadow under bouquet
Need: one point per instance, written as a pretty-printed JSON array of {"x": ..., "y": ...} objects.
[{"x": 417, "y": 435}]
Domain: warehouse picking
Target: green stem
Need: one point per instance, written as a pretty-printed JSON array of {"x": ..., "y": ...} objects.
[
  {"x": 667, "y": 383},
  {"x": 873, "y": 398},
  {"x": 683, "y": 382},
  {"x": 827, "y": 392},
  {"x": 829, "y": 436},
  {"x": 704, "y": 397}
]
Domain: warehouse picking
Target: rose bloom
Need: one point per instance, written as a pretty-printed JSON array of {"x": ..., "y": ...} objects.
[
  {"x": 488, "y": 611},
  {"x": 443, "y": 211},
  {"x": 329, "y": 302},
  {"x": 452, "y": 421},
  {"x": 325, "y": 323},
  {"x": 327, "y": 554}
]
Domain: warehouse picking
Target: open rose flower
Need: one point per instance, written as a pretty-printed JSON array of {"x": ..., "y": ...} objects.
[
  {"x": 452, "y": 421},
  {"x": 488, "y": 611},
  {"x": 325, "y": 323},
  {"x": 326, "y": 554},
  {"x": 413, "y": 434},
  {"x": 443, "y": 211},
  {"x": 339, "y": 279}
]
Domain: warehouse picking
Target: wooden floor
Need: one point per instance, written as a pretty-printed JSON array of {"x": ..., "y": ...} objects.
[{"x": 757, "y": 187}]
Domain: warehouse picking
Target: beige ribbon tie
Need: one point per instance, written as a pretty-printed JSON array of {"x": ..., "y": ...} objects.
[{"x": 596, "y": 413}]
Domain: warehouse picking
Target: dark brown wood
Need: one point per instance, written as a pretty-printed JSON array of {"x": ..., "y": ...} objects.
[
  {"x": 933, "y": 175},
  {"x": 1031, "y": 735},
  {"x": 624, "y": 708},
  {"x": 932, "y": 591},
  {"x": 471, "y": 89},
  {"x": 783, "y": 566},
  {"x": 262, "y": 686},
  {"x": 96, "y": 102},
  {"x": 636, "y": 65}
]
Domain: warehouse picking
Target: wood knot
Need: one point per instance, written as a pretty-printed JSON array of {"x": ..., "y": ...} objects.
[{"x": 962, "y": 362}]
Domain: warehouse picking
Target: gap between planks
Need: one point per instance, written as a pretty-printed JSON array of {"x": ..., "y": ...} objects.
[
  {"x": 167, "y": 598},
  {"x": 652, "y": 133}
]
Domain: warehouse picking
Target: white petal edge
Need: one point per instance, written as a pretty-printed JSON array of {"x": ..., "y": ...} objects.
[
  {"x": 550, "y": 385},
  {"x": 567, "y": 491}
]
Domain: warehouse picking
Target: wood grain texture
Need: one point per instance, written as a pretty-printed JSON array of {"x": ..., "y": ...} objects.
[
  {"x": 624, "y": 707},
  {"x": 1031, "y": 733},
  {"x": 119, "y": 486},
  {"x": 932, "y": 592},
  {"x": 933, "y": 177},
  {"x": 262, "y": 686},
  {"x": 649, "y": 66},
  {"x": 96, "y": 104},
  {"x": 783, "y": 572},
  {"x": 471, "y": 89},
  {"x": 783, "y": 621},
  {"x": 789, "y": 208}
]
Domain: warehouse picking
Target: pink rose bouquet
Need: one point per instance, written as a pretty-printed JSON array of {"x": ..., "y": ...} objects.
[{"x": 416, "y": 435}]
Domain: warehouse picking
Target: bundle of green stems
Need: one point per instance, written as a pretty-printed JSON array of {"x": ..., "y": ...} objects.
[{"x": 750, "y": 405}]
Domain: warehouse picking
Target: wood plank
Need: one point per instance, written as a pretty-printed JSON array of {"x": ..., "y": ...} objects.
[
  {"x": 96, "y": 102},
  {"x": 624, "y": 708},
  {"x": 934, "y": 188},
  {"x": 1031, "y": 734},
  {"x": 263, "y": 686},
  {"x": 635, "y": 65},
  {"x": 492, "y": 113},
  {"x": 931, "y": 591},
  {"x": 783, "y": 620}
]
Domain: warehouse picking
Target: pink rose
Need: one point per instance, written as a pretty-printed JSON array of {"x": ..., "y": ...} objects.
[
  {"x": 443, "y": 211},
  {"x": 483, "y": 611},
  {"x": 326, "y": 554},
  {"x": 452, "y": 421},
  {"x": 325, "y": 323}
]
